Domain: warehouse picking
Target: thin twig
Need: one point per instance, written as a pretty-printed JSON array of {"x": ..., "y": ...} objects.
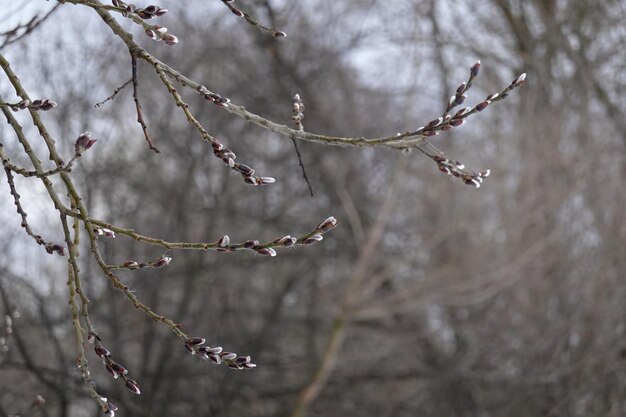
[
  {"x": 297, "y": 116},
  {"x": 74, "y": 290},
  {"x": 405, "y": 140},
  {"x": 306, "y": 178},
  {"x": 240, "y": 13},
  {"x": 50, "y": 247},
  {"x": 33, "y": 173},
  {"x": 112, "y": 96},
  {"x": 11, "y": 36},
  {"x": 226, "y": 155},
  {"x": 140, "y": 120},
  {"x": 223, "y": 244}
]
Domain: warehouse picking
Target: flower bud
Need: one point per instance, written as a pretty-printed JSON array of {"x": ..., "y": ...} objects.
[
  {"x": 312, "y": 239},
  {"x": 519, "y": 80},
  {"x": 475, "y": 69},
  {"x": 266, "y": 251},
  {"x": 286, "y": 241},
  {"x": 161, "y": 262},
  {"x": 131, "y": 264},
  {"x": 170, "y": 39},
  {"x": 101, "y": 351},
  {"x": 133, "y": 386},
  {"x": 196, "y": 341},
  {"x": 224, "y": 241},
  {"x": 119, "y": 368},
  {"x": 327, "y": 225},
  {"x": 228, "y": 356},
  {"x": 249, "y": 244},
  {"x": 84, "y": 142}
]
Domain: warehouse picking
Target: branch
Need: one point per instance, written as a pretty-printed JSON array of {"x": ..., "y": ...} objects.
[
  {"x": 240, "y": 13},
  {"x": 13, "y": 35},
  {"x": 223, "y": 244},
  {"x": 140, "y": 120},
  {"x": 112, "y": 96},
  {"x": 50, "y": 247},
  {"x": 297, "y": 116},
  {"x": 409, "y": 139}
]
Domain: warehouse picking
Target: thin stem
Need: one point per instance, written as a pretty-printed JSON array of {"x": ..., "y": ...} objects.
[
  {"x": 140, "y": 119},
  {"x": 114, "y": 94}
]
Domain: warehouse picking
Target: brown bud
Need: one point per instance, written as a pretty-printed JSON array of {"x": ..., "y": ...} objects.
[
  {"x": 110, "y": 370},
  {"x": 266, "y": 251},
  {"x": 84, "y": 142},
  {"x": 436, "y": 122},
  {"x": 286, "y": 241},
  {"x": 224, "y": 241},
  {"x": 482, "y": 105},
  {"x": 161, "y": 262},
  {"x": 249, "y": 244},
  {"x": 519, "y": 80},
  {"x": 196, "y": 341},
  {"x": 327, "y": 225},
  {"x": 312, "y": 239},
  {"x": 228, "y": 356},
  {"x": 475, "y": 69},
  {"x": 244, "y": 169},
  {"x": 132, "y": 386},
  {"x": 101, "y": 351},
  {"x": 131, "y": 264},
  {"x": 170, "y": 39},
  {"x": 119, "y": 368}
]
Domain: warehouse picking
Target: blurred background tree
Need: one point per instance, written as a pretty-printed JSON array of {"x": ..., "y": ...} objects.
[{"x": 431, "y": 299}]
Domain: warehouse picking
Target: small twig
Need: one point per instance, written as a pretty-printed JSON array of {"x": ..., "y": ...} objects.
[
  {"x": 403, "y": 140},
  {"x": 130, "y": 295},
  {"x": 74, "y": 290},
  {"x": 297, "y": 116},
  {"x": 140, "y": 120},
  {"x": 50, "y": 247},
  {"x": 132, "y": 265},
  {"x": 114, "y": 368},
  {"x": 11, "y": 36},
  {"x": 36, "y": 105},
  {"x": 240, "y": 13},
  {"x": 38, "y": 401},
  {"x": 33, "y": 173},
  {"x": 306, "y": 178},
  {"x": 223, "y": 244},
  {"x": 136, "y": 14},
  {"x": 112, "y": 96},
  {"x": 195, "y": 345},
  {"x": 219, "y": 150},
  {"x": 447, "y": 121}
]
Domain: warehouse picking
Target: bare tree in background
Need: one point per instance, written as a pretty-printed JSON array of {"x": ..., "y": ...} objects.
[{"x": 430, "y": 299}]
